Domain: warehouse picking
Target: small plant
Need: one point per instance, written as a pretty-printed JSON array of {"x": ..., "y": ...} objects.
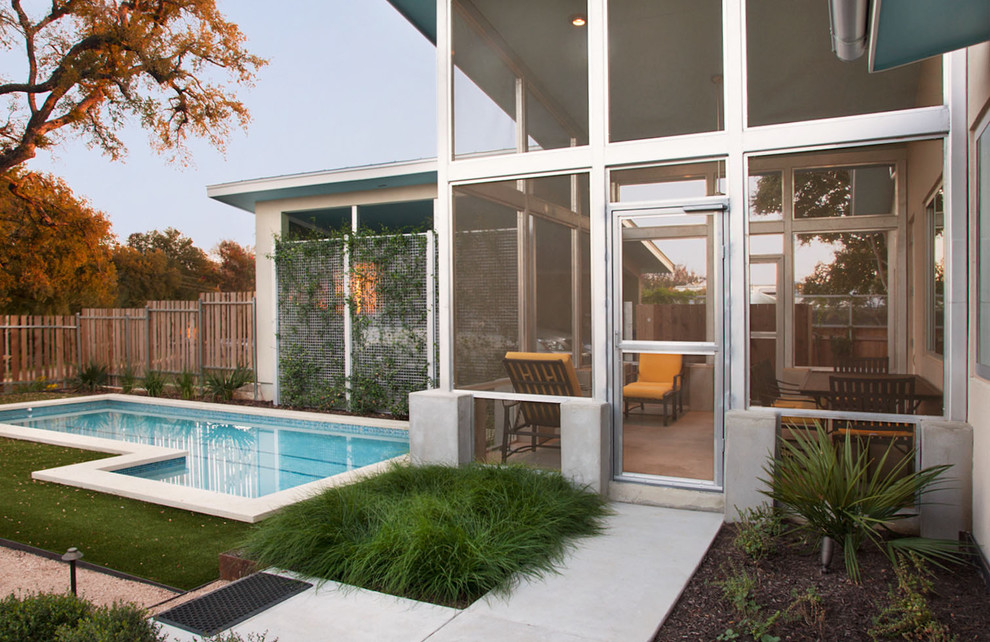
[
  {"x": 908, "y": 616},
  {"x": 221, "y": 384},
  {"x": 154, "y": 383},
  {"x": 807, "y": 606},
  {"x": 186, "y": 383},
  {"x": 838, "y": 498},
  {"x": 758, "y": 530},
  {"x": 92, "y": 377},
  {"x": 127, "y": 380},
  {"x": 737, "y": 588}
]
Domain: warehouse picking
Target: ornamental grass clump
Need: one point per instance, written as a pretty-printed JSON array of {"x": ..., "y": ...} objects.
[
  {"x": 850, "y": 498},
  {"x": 432, "y": 533}
]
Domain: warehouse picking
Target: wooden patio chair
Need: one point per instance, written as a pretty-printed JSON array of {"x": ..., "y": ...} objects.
[
  {"x": 887, "y": 394},
  {"x": 537, "y": 373},
  {"x": 863, "y": 365},
  {"x": 658, "y": 380}
]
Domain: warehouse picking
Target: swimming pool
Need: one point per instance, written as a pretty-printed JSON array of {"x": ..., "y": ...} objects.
[{"x": 186, "y": 452}]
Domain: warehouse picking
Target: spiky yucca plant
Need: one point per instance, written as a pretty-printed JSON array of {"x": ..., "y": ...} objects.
[{"x": 838, "y": 496}]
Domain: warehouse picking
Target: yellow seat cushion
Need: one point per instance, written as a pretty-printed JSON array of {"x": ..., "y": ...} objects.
[
  {"x": 563, "y": 357},
  {"x": 659, "y": 368},
  {"x": 646, "y": 390}
]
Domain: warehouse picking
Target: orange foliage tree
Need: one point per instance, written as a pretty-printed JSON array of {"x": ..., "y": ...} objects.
[
  {"x": 56, "y": 254},
  {"x": 235, "y": 269},
  {"x": 90, "y": 64}
]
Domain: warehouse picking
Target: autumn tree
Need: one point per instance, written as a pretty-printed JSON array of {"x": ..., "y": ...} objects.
[
  {"x": 235, "y": 268},
  {"x": 164, "y": 265},
  {"x": 48, "y": 268},
  {"x": 88, "y": 65}
]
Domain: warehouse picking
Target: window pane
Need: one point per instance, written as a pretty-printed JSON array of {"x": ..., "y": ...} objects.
[
  {"x": 665, "y": 68},
  {"x": 844, "y": 191},
  {"x": 766, "y": 196},
  {"x": 840, "y": 297},
  {"x": 936, "y": 285},
  {"x": 668, "y": 182},
  {"x": 983, "y": 253},
  {"x": 513, "y": 53},
  {"x": 810, "y": 82},
  {"x": 521, "y": 275}
]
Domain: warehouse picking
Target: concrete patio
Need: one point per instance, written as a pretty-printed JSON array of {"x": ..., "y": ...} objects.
[{"x": 619, "y": 586}]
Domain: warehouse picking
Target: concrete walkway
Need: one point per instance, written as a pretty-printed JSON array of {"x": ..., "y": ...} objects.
[{"x": 615, "y": 587}]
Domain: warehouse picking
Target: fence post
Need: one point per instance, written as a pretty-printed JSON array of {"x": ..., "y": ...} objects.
[
  {"x": 199, "y": 336},
  {"x": 254, "y": 343},
  {"x": 147, "y": 339},
  {"x": 127, "y": 344},
  {"x": 78, "y": 342}
]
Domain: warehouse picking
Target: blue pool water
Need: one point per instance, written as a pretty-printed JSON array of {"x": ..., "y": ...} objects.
[{"x": 232, "y": 453}]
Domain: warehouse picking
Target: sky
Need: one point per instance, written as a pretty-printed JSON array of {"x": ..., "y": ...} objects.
[{"x": 349, "y": 83}]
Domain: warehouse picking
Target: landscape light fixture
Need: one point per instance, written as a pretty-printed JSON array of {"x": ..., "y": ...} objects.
[
  {"x": 71, "y": 556},
  {"x": 579, "y": 20}
]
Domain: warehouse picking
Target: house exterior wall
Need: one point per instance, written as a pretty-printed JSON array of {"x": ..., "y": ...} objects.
[
  {"x": 978, "y": 99},
  {"x": 271, "y": 222}
]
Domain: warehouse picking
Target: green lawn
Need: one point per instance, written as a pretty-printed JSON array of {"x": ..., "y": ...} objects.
[{"x": 175, "y": 547}]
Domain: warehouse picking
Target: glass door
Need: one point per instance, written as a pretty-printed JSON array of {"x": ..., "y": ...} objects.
[{"x": 668, "y": 368}]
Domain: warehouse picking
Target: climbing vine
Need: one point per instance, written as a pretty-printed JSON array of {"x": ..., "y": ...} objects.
[{"x": 379, "y": 281}]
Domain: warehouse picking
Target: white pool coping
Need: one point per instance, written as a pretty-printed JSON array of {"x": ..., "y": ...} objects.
[{"x": 98, "y": 475}]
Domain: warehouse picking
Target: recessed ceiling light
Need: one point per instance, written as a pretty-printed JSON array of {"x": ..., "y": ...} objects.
[{"x": 579, "y": 20}]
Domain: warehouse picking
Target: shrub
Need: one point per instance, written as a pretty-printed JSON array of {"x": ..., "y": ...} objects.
[
  {"x": 92, "y": 377},
  {"x": 38, "y": 617},
  {"x": 221, "y": 384},
  {"x": 758, "y": 530},
  {"x": 154, "y": 383},
  {"x": 186, "y": 383},
  {"x": 127, "y": 380},
  {"x": 837, "y": 496},
  {"x": 434, "y": 533},
  {"x": 117, "y": 623},
  {"x": 908, "y": 616}
]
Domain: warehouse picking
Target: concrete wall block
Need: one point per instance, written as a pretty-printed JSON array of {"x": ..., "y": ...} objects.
[
  {"x": 750, "y": 439},
  {"x": 585, "y": 443},
  {"x": 948, "y": 510},
  {"x": 441, "y": 427}
]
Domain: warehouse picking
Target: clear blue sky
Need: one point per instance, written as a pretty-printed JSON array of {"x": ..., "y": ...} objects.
[{"x": 349, "y": 82}]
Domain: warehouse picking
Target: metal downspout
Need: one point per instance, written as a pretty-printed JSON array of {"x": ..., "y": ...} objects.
[{"x": 848, "y": 25}]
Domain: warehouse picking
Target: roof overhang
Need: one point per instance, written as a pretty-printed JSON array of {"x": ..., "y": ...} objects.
[
  {"x": 247, "y": 194},
  {"x": 421, "y": 13},
  {"x": 905, "y": 31}
]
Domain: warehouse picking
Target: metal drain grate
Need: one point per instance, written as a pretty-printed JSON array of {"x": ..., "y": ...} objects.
[{"x": 234, "y": 603}]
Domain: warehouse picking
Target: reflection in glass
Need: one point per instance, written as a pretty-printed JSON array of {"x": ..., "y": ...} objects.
[
  {"x": 766, "y": 196},
  {"x": 844, "y": 191},
  {"x": 936, "y": 286},
  {"x": 668, "y": 182}
]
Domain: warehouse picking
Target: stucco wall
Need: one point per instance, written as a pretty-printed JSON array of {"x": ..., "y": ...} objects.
[
  {"x": 978, "y": 69},
  {"x": 271, "y": 222}
]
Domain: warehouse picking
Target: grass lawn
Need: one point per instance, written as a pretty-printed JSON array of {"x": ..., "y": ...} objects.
[
  {"x": 432, "y": 533},
  {"x": 18, "y": 397},
  {"x": 175, "y": 547}
]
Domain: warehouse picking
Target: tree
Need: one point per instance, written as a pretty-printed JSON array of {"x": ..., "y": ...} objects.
[
  {"x": 235, "y": 271},
  {"x": 90, "y": 64},
  {"x": 162, "y": 266},
  {"x": 48, "y": 267}
]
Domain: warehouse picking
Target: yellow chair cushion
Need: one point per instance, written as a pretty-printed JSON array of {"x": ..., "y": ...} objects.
[
  {"x": 563, "y": 357},
  {"x": 646, "y": 390},
  {"x": 659, "y": 368}
]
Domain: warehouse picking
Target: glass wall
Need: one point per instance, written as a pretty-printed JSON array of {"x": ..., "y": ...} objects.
[
  {"x": 520, "y": 76},
  {"x": 522, "y": 279},
  {"x": 665, "y": 68},
  {"x": 837, "y": 295},
  {"x": 793, "y": 74}
]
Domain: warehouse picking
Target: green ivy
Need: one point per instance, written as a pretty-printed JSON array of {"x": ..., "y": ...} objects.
[{"x": 389, "y": 346}]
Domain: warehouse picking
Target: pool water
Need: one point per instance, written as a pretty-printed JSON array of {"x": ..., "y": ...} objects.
[{"x": 231, "y": 453}]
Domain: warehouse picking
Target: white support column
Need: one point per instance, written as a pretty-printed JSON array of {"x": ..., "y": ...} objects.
[
  {"x": 441, "y": 427},
  {"x": 585, "y": 443},
  {"x": 750, "y": 440},
  {"x": 949, "y": 509}
]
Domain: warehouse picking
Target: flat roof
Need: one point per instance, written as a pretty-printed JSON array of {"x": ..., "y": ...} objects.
[{"x": 247, "y": 194}]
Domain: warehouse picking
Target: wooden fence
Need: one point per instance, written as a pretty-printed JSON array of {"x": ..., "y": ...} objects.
[{"x": 217, "y": 332}]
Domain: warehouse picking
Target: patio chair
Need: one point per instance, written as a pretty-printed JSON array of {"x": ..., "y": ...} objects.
[
  {"x": 888, "y": 395},
  {"x": 768, "y": 391},
  {"x": 537, "y": 373},
  {"x": 863, "y": 365},
  {"x": 658, "y": 380}
]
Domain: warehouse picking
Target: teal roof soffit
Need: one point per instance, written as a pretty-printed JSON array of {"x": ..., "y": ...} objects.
[
  {"x": 421, "y": 13},
  {"x": 905, "y": 31}
]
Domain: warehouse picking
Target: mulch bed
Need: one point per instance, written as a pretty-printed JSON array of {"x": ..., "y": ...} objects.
[{"x": 960, "y": 600}]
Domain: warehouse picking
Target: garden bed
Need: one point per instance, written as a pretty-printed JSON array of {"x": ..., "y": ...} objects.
[{"x": 960, "y": 600}]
